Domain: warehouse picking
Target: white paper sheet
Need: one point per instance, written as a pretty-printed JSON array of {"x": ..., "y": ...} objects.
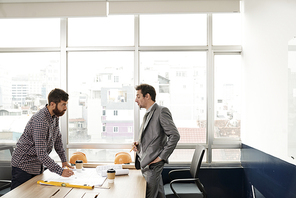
[
  {"x": 101, "y": 169},
  {"x": 88, "y": 176}
]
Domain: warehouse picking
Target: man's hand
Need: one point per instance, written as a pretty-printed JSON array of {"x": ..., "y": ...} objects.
[
  {"x": 67, "y": 172},
  {"x": 66, "y": 164},
  {"x": 156, "y": 160},
  {"x": 135, "y": 145}
]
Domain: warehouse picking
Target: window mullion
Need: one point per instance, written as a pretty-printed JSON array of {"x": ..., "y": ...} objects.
[
  {"x": 136, "y": 75},
  {"x": 210, "y": 90},
  {"x": 64, "y": 77}
]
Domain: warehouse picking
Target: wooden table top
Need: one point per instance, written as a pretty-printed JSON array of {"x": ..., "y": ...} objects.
[{"x": 132, "y": 185}]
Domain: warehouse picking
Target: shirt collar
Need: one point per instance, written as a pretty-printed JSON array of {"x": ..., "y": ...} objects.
[
  {"x": 48, "y": 114},
  {"x": 150, "y": 108}
]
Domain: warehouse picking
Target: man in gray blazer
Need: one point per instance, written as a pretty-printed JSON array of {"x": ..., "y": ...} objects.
[{"x": 158, "y": 139}]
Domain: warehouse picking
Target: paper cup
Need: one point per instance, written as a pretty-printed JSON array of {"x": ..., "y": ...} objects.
[
  {"x": 79, "y": 165},
  {"x": 111, "y": 175}
]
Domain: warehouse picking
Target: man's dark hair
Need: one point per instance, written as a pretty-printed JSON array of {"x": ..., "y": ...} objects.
[
  {"x": 56, "y": 95},
  {"x": 145, "y": 88}
]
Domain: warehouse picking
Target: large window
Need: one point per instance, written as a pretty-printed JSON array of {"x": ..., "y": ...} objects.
[
  {"x": 173, "y": 30},
  {"x": 227, "y": 29},
  {"x": 227, "y": 96},
  {"x": 180, "y": 82},
  {"x": 104, "y": 31},
  {"x": 193, "y": 61},
  {"x": 30, "y": 33},
  {"x": 92, "y": 90},
  {"x": 25, "y": 81}
]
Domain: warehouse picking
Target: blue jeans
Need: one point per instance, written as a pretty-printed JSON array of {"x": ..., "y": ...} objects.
[{"x": 19, "y": 177}]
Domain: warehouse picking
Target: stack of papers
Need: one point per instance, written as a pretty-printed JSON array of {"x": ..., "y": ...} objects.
[{"x": 88, "y": 176}]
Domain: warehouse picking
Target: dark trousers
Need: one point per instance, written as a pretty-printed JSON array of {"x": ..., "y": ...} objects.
[
  {"x": 154, "y": 183},
  {"x": 19, "y": 177}
]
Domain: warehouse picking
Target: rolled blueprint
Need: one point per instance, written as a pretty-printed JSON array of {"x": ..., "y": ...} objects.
[{"x": 118, "y": 172}]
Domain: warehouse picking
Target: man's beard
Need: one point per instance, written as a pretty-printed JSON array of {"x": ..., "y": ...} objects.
[{"x": 58, "y": 112}]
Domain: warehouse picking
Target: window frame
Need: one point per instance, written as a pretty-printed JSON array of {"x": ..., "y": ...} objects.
[{"x": 212, "y": 143}]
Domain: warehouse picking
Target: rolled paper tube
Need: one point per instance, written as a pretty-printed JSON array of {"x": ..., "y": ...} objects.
[{"x": 118, "y": 172}]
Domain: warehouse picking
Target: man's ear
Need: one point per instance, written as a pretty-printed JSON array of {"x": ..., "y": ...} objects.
[
  {"x": 52, "y": 104},
  {"x": 147, "y": 96}
]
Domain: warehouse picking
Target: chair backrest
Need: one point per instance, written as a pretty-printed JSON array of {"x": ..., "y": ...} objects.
[
  {"x": 196, "y": 160},
  {"x": 5, "y": 162}
]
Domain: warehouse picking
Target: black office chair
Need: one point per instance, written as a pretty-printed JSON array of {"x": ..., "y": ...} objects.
[
  {"x": 5, "y": 168},
  {"x": 188, "y": 187}
]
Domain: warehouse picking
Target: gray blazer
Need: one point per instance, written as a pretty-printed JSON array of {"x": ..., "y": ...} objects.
[{"x": 159, "y": 136}]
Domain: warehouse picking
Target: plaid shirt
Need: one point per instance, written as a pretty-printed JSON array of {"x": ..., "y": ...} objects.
[{"x": 34, "y": 146}]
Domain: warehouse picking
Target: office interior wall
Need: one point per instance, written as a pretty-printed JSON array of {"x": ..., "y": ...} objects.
[
  {"x": 268, "y": 26},
  {"x": 267, "y": 175}
]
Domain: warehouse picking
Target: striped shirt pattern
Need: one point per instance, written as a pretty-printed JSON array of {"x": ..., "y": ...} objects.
[{"x": 41, "y": 134}]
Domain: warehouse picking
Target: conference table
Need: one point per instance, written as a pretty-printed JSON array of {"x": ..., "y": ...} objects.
[{"x": 132, "y": 185}]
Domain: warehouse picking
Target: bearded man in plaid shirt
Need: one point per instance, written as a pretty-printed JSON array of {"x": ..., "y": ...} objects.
[{"x": 41, "y": 134}]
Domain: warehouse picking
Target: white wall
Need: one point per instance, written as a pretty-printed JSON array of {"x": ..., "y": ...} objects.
[{"x": 268, "y": 26}]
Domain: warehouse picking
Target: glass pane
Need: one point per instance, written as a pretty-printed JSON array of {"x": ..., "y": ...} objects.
[
  {"x": 25, "y": 81},
  {"x": 30, "y": 33},
  {"x": 5, "y": 155},
  {"x": 184, "y": 155},
  {"x": 101, "y": 95},
  {"x": 227, "y": 95},
  {"x": 102, "y": 31},
  {"x": 227, "y": 29},
  {"x": 179, "y": 79},
  {"x": 226, "y": 155},
  {"x": 100, "y": 155},
  {"x": 173, "y": 30}
]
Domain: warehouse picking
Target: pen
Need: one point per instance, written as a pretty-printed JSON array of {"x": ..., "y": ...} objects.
[{"x": 134, "y": 145}]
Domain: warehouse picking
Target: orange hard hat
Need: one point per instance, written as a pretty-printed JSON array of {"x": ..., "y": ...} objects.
[
  {"x": 122, "y": 158},
  {"x": 78, "y": 156}
]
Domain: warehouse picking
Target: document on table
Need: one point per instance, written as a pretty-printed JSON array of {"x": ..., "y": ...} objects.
[
  {"x": 88, "y": 176},
  {"x": 102, "y": 170}
]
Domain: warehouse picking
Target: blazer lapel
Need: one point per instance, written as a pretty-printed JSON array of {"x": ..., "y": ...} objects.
[{"x": 149, "y": 117}]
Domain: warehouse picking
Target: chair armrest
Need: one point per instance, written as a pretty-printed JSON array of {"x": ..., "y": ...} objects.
[
  {"x": 179, "y": 180},
  {"x": 177, "y": 170},
  {"x": 183, "y": 180},
  {"x": 5, "y": 181}
]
